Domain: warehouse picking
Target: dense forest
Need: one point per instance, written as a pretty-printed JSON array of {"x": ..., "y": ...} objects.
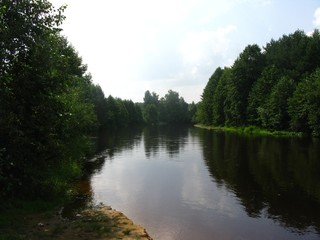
[
  {"x": 49, "y": 107},
  {"x": 170, "y": 109},
  {"x": 47, "y": 102},
  {"x": 276, "y": 88},
  {"x": 115, "y": 112}
]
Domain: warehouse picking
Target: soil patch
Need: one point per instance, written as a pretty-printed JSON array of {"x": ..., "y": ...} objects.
[{"x": 99, "y": 222}]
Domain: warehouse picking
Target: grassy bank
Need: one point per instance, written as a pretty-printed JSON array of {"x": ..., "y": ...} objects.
[
  {"x": 54, "y": 190},
  {"x": 16, "y": 217},
  {"x": 42, "y": 190},
  {"x": 251, "y": 130}
]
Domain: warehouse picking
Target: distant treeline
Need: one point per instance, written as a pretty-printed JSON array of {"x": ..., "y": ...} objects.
[
  {"x": 49, "y": 107},
  {"x": 170, "y": 109},
  {"x": 277, "y": 87},
  {"x": 115, "y": 112}
]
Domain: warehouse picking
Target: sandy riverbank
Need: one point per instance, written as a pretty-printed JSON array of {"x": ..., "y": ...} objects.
[{"x": 100, "y": 222}]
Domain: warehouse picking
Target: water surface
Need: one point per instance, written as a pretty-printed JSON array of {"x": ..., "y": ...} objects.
[{"x": 187, "y": 183}]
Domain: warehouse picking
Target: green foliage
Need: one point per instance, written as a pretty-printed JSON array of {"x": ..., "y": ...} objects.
[
  {"x": 273, "y": 113},
  {"x": 151, "y": 98},
  {"x": 114, "y": 112},
  {"x": 304, "y": 106},
  {"x": 260, "y": 92},
  {"x": 251, "y": 130},
  {"x": 150, "y": 114},
  {"x": 293, "y": 55},
  {"x": 173, "y": 108},
  {"x": 122, "y": 113},
  {"x": 260, "y": 87},
  {"x": 46, "y": 107},
  {"x": 206, "y": 109},
  {"x": 170, "y": 109},
  {"x": 134, "y": 112},
  {"x": 193, "y": 112},
  {"x": 219, "y": 103},
  {"x": 118, "y": 114},
  {"x": 151, "y": 107},
  {"x": 245, "y": 71},
  {"x": 100, "y": 105}
]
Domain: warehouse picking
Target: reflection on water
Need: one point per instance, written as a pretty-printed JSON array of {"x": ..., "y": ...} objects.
[
  {"x": 164, "y": 139},
  {"x": 187, "y": 183},
  {"x": 83, "y": 189},
  {"x": 277, "y": 178}
]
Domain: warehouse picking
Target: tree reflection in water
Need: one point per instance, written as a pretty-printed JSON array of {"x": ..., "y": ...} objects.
[
  {"x": 170, "y": 139},
  {"x": 277, "y": 178}
]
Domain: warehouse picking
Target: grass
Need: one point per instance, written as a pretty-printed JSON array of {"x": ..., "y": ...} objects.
[
  {"x": 49, "y": 189},
  {"x": 126, "y": 232},
  {"x": 95, "y": 222},
  {"x": 20, "y": 223},
  {"x": 16, "y": 215},
  {"x": 251, "y": 131}
]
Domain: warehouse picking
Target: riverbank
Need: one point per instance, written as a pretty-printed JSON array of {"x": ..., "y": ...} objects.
[
  {"x": 99, "y": 222},
  {"x": 251, "y": 130}
]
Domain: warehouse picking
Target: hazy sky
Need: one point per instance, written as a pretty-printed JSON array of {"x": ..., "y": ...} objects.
[{"x": 131, "y": 46}]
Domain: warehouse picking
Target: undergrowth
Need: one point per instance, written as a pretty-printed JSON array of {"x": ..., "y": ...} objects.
[{"x": 252, "y": 130}]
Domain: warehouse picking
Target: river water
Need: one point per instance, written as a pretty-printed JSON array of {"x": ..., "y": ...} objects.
[{"x": 189, "y": 183}]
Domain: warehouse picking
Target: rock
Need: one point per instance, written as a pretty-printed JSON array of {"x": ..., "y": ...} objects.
[{"x": 40, "y": 225}]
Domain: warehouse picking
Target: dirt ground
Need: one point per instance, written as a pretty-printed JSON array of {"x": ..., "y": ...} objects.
[{"x": 100, "y": 222}]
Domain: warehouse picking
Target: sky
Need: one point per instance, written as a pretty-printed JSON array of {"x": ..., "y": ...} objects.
[{"x": 134, "y": 46}]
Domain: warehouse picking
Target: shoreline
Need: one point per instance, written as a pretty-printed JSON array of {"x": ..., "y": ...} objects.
[
  {"x": 98, "y": 222},
  {"x": 251, "y": 130}
]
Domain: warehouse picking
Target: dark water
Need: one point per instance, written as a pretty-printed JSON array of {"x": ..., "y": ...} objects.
[{"x": 187, "y": 183}]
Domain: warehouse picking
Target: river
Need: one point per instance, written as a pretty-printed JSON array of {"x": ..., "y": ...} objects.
[{"x": 190, "y": 183}]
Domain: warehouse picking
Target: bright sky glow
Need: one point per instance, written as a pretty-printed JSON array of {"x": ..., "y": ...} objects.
[{"x": 134, "y": 46}]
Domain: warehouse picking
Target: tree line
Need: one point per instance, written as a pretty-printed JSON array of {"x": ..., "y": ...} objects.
[
  {"x": 115, "y": 112},
  {"x": 276, "y": 88},
  {"x": 49, "y": 106},
  {"x": 170, "y": 109}
]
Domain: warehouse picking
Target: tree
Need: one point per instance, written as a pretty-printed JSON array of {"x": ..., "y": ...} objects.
[
  {"x": 193, "y": 112},
  {"x": 138, "y": 111},
  {"x": 24, "y": 24},
  {"x": 312, "y": 52},
  {"x": 134, "y": 112},
  {"x": 260, "y": 92},
  {"x": 219, "y": 102},
  {"x": 305, "y": 104},
  {"x": 256, "y": 89},
  {"x": 150, "y": 114},
  {"x": 111, "y": 111},
  {"x": 274, "y": 113},
  {"x": 291, "y": 54},
  {"x": 206, "y": 109},
  {"x": 245, "y": 71},
  {"x": 151, "y": 107},
  {"x": 100, "y": 105},
  {"x": 174, "y": 108},
  {"x": 45, "y": 106},
  {"x": 151, "y": 98}
]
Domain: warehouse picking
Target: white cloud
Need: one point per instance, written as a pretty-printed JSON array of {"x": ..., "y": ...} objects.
[
  {"x": 132, "y": 46},
  {"x": 266, "y": 2},
  {"x": 316, "y": 20},
  {"x": 201, "y": 45}
]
